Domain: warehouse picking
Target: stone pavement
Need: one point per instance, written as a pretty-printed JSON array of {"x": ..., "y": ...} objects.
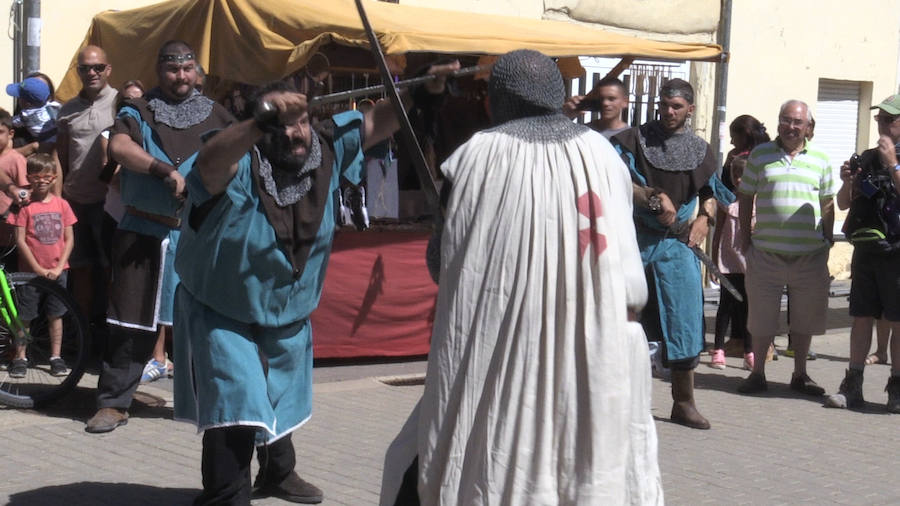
[{"x": 777, "y": 448}]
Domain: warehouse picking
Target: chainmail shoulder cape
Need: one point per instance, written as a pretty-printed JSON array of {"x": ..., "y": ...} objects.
[
  {"x": 547, "y": 129},
  {"x": 179, "y": 115},
  {"x": 289, "y": 187},
  {"x": 677, "y": 152}
]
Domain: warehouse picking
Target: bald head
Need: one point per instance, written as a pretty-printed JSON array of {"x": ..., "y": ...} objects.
[
  {"x": 93, "y": 69},
  {"x": 92, "y": 53}
]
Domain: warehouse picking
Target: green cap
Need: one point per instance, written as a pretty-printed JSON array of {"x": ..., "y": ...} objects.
[{"x": 891, "y": 105}]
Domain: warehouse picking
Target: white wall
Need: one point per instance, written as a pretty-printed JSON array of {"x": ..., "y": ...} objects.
[
  {"x": 65, "y": 23},
  {"x": 780, "y": 50}
]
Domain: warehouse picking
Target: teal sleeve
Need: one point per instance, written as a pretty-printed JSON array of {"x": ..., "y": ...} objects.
[
  {"x": 628, "y": 157},
  {"x": 198, "y": 193},
  {"x": 720, "y": 191},
  {"x": 129, "y": 112},
  {"x": 348, "y": 155}
]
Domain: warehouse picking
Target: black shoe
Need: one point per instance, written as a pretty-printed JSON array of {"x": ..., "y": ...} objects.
[
  {"x": 18, "y": 368},
  {"x": 850, "y": 394},
  {"x": 291, "y": 489},
  {"x": 58, "y": 367},
  {"x": 754, "y": 384},
  {"x": 805, "y": 385},
  {"x": 893, "y": 390}
]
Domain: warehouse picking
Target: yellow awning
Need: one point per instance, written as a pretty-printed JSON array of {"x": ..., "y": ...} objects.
[{"x": 255, "y": 41}]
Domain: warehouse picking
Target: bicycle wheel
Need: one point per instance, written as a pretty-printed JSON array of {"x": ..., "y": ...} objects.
[{"x": 39, "y": 387}]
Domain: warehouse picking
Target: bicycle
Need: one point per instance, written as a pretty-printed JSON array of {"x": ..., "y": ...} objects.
[{"x": 39, "y": 387}]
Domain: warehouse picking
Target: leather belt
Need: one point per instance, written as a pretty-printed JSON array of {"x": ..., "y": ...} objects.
[{"x": 168, "y": 221}]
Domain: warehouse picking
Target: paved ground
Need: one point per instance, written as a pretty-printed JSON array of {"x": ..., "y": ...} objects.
[{"x": 778, "y": 448}]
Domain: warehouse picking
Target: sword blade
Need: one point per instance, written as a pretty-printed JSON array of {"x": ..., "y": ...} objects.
[{"x": 723, "y": 281}]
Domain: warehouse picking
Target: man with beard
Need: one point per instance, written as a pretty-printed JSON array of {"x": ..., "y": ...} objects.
[
  {"x": 155, "y": 139},
  {"x": 670, "y": 168},
  {"x": 252, "y": 259},
  {"x": 538, "y": 384}
]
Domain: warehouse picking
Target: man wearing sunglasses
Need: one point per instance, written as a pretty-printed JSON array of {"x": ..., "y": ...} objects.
[
  {"x": 155, "y": 139},
  {"x": 870, "y": 190},
  {"x": 81, "y": 157}
]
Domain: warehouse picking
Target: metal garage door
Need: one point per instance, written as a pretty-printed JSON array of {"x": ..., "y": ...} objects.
[{"x": 837, "y": 117}]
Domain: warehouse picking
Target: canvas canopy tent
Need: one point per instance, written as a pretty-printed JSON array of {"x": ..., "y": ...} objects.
[{"x": 255, "y": 41}]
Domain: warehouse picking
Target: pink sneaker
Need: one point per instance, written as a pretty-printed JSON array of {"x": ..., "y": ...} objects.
[
  {"x": 748, "y": 361},
  {"x": 718, "y": 359}
]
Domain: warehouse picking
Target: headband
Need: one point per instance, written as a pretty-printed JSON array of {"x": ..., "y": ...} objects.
[{"x": 177, "y": 58}]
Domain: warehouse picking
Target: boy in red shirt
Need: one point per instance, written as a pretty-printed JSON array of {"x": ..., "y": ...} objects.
[{"x": 45, "y": 239}]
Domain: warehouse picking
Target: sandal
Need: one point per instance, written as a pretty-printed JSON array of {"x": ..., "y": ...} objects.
[{"x": 876, "y": 359}]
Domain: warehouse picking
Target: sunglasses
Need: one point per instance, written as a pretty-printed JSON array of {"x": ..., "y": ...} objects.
[
  {"x": 885, "y": 119},
  {"x": 97, "y": 67},
  {"x": 41, "y": 178}
]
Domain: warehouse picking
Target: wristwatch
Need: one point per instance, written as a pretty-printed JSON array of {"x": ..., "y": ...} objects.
[{"x": 654, "y": 204}]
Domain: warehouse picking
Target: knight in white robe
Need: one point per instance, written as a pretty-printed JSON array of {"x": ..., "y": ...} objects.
[{"x": 538, "y": 383}]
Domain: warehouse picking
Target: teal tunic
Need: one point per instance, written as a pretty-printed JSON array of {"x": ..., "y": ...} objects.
[
  {"x": 674, "y": 270},
  {"x": 240, "y": 298},
  {"x": 150, "y": 194}
]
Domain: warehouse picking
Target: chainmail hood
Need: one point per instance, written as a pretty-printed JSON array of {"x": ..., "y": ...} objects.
[
  {"x": 525, "y": 83},
  {"x": 179, "y": 115},
  {"x": 678, "y": 152}
]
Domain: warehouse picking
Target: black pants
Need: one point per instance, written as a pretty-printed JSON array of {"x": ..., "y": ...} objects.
[
  {"x": 127, "y": 352},
  {"x": 408, "y": 495},
  {"x": 734, "y": 312},
  {"x": 225, "y": 466}
]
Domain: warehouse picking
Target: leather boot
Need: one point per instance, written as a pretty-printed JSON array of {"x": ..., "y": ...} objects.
[{"x": 684, "y": 411}]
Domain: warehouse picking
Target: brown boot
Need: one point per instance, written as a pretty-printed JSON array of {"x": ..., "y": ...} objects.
[
  {"x": 684, "y": 411},
  {"x": 106, "y": 420}
]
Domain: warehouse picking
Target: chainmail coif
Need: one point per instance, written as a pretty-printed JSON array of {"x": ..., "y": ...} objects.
[{"x": 525, "y": 83}]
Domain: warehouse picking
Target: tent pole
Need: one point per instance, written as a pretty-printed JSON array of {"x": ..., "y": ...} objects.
[{"x": 620, "y": 67}]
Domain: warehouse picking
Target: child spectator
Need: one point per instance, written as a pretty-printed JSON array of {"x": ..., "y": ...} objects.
[
  {"x": 37, "y": 114},
  {"x": 12, "y": 165},
  {"x": 731, "y": 262},
  {"x": 45, "y": 239}
]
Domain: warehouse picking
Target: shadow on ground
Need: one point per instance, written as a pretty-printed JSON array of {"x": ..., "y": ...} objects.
[
  {"x": 729, "y": 384},
  {"x": 87, "y": 492},
  {"x": 81, "y": 404}
]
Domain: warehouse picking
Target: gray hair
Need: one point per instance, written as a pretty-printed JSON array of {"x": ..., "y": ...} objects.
[{"x": 792, "y": 102}]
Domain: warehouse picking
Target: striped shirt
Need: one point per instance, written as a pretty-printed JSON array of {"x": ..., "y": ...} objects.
[{"x": 788, "y": 193}]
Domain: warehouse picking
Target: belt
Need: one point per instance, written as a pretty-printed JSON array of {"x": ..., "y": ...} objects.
[{"x": 168, "y": 221}]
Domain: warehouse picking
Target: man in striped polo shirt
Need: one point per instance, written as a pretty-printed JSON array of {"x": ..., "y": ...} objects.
[{"x": 792, "y": 185}]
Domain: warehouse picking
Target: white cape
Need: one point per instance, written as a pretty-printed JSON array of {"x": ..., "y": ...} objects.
[{"x": 538, "y": 386}]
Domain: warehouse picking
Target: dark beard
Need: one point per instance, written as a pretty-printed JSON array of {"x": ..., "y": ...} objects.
[{"x": 278, "y": 148}]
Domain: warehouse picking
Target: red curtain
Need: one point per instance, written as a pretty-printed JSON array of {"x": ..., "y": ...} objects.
[{"x": 378, "y": 298}]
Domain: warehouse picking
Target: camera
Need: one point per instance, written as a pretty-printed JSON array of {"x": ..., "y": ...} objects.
[
  {"x": 590, "y": 104},
  {"x": 872, "y": 177}
]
